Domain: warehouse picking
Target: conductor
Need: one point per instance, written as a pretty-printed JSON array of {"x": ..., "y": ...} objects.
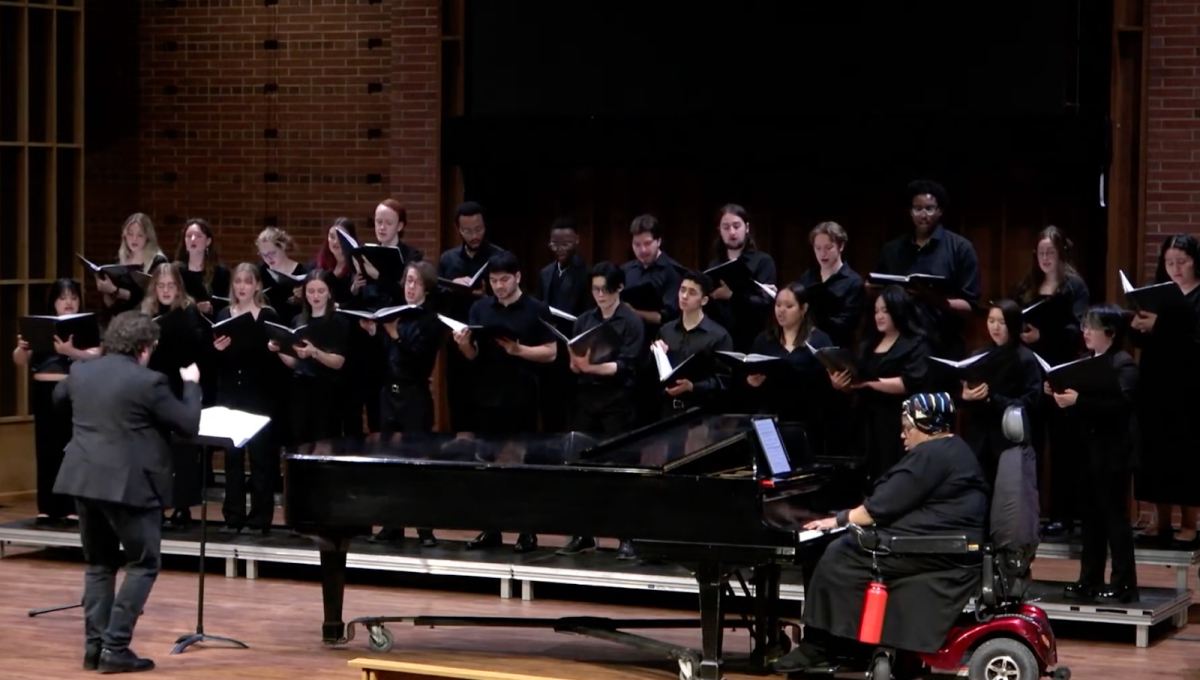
[{"x": 118, "y": 468}]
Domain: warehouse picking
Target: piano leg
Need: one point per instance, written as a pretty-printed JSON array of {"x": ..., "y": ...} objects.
[
  {"x": 333, "y": 587},
  {"x": 710, "y": 578},
  {"x": 767, "y": 645}
]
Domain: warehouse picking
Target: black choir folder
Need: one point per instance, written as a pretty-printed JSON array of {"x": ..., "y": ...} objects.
[
  {"x": 1051, "y": 312},
  {"x": 480, "y": 333},
  {"x": 386, "y": 259},
  {"x": 753, "y": 364},
  {"x": 385, "y": 314},
  {"x": 127, "y": 276},
  {"x": 736, "y": 276},
  {"x": 288, "y": 338},
  {"x": 229, "y": 428},
  {"x": 450, "y": 285},
  {"x": 693, "y": 368},
  {"x": 241, "y": 328},
  {"x": 836, "y": 360},
  {"x": 1151, "y": 299},
  {"x": 601, "y": 340},
  {"x": 1091, "y": 374},
  {"x": 917, "y": 284},
  {"x": 978, "y": 369},
  {"x": 40, "y": 331}
]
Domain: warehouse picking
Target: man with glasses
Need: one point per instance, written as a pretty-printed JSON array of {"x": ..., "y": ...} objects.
[
  {"x": 563, "y": 285},
  {"x": 459, "y": 265},
  {"x": 932, "y": 249}
]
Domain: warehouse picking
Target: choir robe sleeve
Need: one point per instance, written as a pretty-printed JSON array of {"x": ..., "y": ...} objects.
[
  {"x": 905, "y": 487},
  {"x": 1113, "y": 405}
]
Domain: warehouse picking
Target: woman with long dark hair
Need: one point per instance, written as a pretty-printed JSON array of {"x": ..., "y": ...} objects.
[
  {"x": 200, "y": 266},
  {"x": 1016, "y": 380},
  {"x": 893, "y": 361},
  {"x": 52, "y": 426},
  {"x": 1170, "y": 366}
]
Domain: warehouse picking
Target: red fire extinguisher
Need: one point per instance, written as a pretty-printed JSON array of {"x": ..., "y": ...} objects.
[{"x": 870, "y": 630}]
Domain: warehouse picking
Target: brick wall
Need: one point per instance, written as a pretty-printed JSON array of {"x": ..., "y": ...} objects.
[
  {"x": 340, "y": 114},
  {"x": 1173, "y": 145}
]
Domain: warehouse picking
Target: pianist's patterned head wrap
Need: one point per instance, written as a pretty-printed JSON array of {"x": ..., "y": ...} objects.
[{"x": 929, "y": 412}]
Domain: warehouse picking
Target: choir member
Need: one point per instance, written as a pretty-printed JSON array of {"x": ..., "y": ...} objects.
[
  {"x": 316, "y": 390},
  {"x": 410, "y": 345},
  {"x": 139, "y": 246},
  {"x": 743, "y": 314},
  {"x": 932, "y": 249},
  {"x": 52, "y": 426},
  {"x": 563, "y": 284},
  {"x": 348, "y": 280},
  {"x": 652, "y": 290},
  {"x": 248, "y": 380},
  {"x": 180, "y": 344},
  {"x": 1052, "y": 278},
  {"x": 1016, "y": 381},
  {"x": 459, "y": 265},
  {"x": 693, "y": 333},
  {"x": 835, "y": 290},
  {"x": 380, "y": 291},
  {"x": 1170, "y": 359},
  {"x": 893, "y": 362},
  {"x": 1106, "y": 425},
  {"x": 502, "y": 380},
  {"x": 799, "y": 398},
  {"x": 604, "y": 394},
  {"x": 203, "y": 274},
  {"x": 282, "y": 276}
]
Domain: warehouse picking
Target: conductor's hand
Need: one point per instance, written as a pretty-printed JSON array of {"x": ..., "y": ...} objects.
[
  {"x": 190, "y": 374},
  {"x": 827, "y": 524}
]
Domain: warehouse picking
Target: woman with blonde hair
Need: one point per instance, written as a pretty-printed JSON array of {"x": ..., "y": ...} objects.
[
  {"x": 282, "y": 276},
  {"x": 139, "y": 246}
]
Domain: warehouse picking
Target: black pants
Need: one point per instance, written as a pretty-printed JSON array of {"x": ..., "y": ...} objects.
[
  {"x": 458, "y": 390},
  {"x": 1106, "y": 528},
  {"x": 1065, "y": 463},
  {"x": 51, "y": 434},
  {"x": 105, "y": 528},
  {"x": 405, "y": 408},
  {"x": 316, "y": 410},
  {"x": 264, "y": 469},
  {"x": 602, "y": 410}
]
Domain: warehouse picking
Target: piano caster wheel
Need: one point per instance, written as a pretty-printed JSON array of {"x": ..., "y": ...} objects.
[
  {"x": 688, "y": 666},
  {"x": 380, "y": 639},
  {"x": 881, "y": 667}
]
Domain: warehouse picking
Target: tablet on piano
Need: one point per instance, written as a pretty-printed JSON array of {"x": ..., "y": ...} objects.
[{"x": 779, "y": 465}]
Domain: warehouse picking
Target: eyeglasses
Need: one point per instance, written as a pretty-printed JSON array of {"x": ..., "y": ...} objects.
[
  {"x": 561, "y": 246},
  {"x": 478, "y": 231},
  {"x": 928, "y": 210},
  {"x": 600, "y": 290}
]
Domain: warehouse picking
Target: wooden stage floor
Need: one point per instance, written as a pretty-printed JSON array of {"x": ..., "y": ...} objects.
[{"x": 279, "y": 616}]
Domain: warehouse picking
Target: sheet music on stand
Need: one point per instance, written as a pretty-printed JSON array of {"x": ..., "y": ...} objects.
[{"x": 218, "y": 423}]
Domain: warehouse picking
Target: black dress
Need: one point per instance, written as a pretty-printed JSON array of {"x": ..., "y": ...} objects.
[
  {"x": 800, "y": 399},
  {"x": 1017, "y": 383},
  {"x": 250, "y": 379},
  {"x": 937, "y": 489},
  {"x": 877, "y": 415},
  {"x": 51, "y": 433},
  {"x": 317, "y": 390},
  {"x": 1170, "y": 370},
  {"x": 183, "y": 340}
]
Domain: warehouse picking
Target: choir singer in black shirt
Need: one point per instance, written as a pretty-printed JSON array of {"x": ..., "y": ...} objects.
[
  {"x": 744, "y": 314},
  {"x": 692, "y": 334},
  {"x": 504, "y": 386},
  {"x": 835, "y": 290},
  {"x": 604, "y": 395},
  {"x": 564, "y": 284}
]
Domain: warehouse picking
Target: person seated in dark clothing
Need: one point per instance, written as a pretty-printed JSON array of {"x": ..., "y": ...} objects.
[{"x": 938, "y": 488}]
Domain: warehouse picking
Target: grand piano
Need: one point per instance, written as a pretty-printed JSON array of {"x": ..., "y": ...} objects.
[{"x": 717, "y": 493}]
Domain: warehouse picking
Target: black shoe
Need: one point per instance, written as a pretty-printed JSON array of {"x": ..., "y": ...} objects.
[
  {"x": 525, "y": 543},
  {"x": 123, "y": 661},
  {"x": 577, "y": 546},
  {"x": 230, "y": 529},
  {"x": 625, "y": 550},
  {"x": 91, "y": 657},
  {"x": 1079, "y": 591},
  {"x": 179, "y": 520},
  {"x": 803, "y": 656},
  {"x": 1116, "y": 595},
  {"x": 388, "y": 535},
  {"x": 487, "y": 539},
  {"x": 428, "y": 540}
]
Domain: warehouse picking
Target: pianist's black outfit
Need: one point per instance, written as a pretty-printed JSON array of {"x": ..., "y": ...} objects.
[
  {"x": 745, "y": 315},
  {"x": 800, "y": 399},
  {"x": 249, "y": 378},
  {"x": 877, "y": 415},
  {"x": 181, "y": 343},
  {"x": 707, "y": 337},
  {"x": 456, "y": 263},
  {"x": 937, "y": 489},
  {"x": 405, "y": 401},
  {"x": 316, "y": 404},
  {"x": 1170, "y": 370},
  {"x": 569, "y": 289},
  {"x": 948, "y": 255},
  {"x": 836, "y": 304},
  {"x": 604, "y": 404},
  {"x": 51, "y": 433},
  {"x": 1017, "y": 381},
  {"x": 1107, "y": 431},
  {"x": 662, "y": 278},
  {"x": 1058, "y": 344}
]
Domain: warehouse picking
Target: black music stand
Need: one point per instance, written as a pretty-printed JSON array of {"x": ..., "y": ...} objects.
[{"x": 186, "y": 641}]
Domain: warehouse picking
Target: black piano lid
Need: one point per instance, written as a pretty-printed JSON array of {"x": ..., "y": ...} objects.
[{"x": 663, "y": 447}]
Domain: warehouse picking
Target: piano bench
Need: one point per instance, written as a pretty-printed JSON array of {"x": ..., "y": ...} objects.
[{"x": 378, "y": 669}]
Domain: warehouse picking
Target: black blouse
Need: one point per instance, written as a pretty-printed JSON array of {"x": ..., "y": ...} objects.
[
  {"x": 193, "y": 282},
  {"x": 333, "y": 332},
  {"x": 247, "y": 372},
  {"x": 798, "y": 396},
  {"x": 412, "y": 355},
  {"x": 1060, "y": 343},
  {"x": 181, "y": 343}
]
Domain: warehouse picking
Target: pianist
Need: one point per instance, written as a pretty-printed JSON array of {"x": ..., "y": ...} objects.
[{"x": 938, "y": 488}]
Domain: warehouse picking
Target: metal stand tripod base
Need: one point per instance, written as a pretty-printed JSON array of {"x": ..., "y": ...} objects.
[
  {"x": 188, "y": 640},
  {"x": 50, "y": 610}
]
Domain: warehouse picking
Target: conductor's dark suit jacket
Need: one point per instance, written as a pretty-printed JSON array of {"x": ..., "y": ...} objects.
[{"x": 123, "y": 416}]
